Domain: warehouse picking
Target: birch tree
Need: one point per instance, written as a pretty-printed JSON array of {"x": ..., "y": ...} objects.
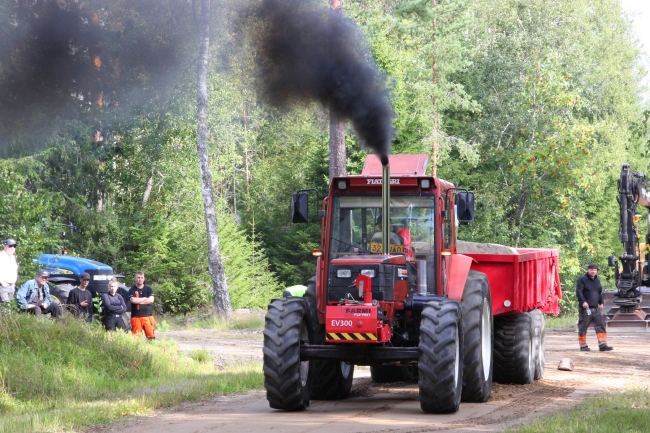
[{"x": 222, "y": 305}]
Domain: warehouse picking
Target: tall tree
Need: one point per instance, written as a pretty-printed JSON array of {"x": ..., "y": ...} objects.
[
  {"x": 337, "y": 128},
  {"x": 222, "y": 305}
]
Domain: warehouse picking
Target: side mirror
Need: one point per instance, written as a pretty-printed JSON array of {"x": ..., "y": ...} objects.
[
  {"x": 465, "y": 206},
  {"x": 299, "y": 207},
  {"x": 611, "y": 262}
]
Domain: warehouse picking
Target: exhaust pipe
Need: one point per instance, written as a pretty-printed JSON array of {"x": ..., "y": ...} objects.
[{"x": 385, "y": 204}]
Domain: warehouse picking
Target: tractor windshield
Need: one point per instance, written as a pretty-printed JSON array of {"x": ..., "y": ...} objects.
[{"x": 356, "y": 225}]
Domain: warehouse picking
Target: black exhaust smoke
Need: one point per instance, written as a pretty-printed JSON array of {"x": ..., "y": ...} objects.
[
  {"x": 92, "y": 63},
  {"x": 307, "y": 52}
]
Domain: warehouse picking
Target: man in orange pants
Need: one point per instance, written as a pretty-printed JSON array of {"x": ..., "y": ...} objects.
[
  {"x": 590, "y": 301},
  {"x": 141, "y": 298}
]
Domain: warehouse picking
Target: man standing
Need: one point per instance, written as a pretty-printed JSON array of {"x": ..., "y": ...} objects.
[
  {"x": 8, "y": 271},
  {"x": 590, "y": 301},
  {"x": 80, "y": 300},
  {"x": 34, "y": 296},
  {"x": 141, "y": 298}
]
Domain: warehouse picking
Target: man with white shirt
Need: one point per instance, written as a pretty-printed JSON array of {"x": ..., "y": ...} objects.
[{"x": 8, "y": 271}]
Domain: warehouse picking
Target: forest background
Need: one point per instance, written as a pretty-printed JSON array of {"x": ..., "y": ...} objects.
[{"x": 538, "y": 105}]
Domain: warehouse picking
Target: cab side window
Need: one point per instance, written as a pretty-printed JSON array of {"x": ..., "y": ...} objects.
[{"x": 447, "y": 228}]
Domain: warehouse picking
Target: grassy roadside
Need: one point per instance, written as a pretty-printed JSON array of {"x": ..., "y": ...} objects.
[
  {"x": 604, "y": 413},
  {"x": 240, "y": 320},
  {"x": 68, "y": 375},
  {"x": 560, "y": 323}
]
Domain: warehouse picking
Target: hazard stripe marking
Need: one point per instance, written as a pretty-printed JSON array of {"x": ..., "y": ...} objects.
[{"x": 351, "y": 336}]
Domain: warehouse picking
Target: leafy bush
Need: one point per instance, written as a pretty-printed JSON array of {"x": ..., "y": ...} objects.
[{"x": 180, "y": 299}]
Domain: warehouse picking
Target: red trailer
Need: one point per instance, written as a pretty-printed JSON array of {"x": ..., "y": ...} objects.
[
  {"x": 394, "y": 289},
  {"x": 527, "y": 279}
]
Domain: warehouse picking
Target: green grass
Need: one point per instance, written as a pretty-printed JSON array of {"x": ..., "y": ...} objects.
[
  {"x": 69, "y": 375},
  {"x": 604, "y": 413},
  {"x": 564, "y": 322},
  {"x": 237, "y": 322}
]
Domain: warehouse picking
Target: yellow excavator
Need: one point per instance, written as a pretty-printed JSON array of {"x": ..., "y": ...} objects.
[{"x": 628, "y": 307}]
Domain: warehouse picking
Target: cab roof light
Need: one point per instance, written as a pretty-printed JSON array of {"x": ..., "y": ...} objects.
[
  {"x": 342, "y": 184},
  {"x": 425, "y": 183}
]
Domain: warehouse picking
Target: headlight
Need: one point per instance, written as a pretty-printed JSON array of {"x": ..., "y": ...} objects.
[
  {"x": 368, "y": 273},
  {"x": 344, "y": 273},
  {"x": 424, "y": 183},
  {"x": 342, "y": 184}
]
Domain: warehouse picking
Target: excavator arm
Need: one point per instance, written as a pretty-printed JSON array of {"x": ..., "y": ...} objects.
[{"x": 632, "y": 274}]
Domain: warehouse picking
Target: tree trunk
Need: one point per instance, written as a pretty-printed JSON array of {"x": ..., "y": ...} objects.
[
  {"x": 434, "y": 150},
  {"x": 222, "y": 305},
  {"x": 338, "y": 165}
]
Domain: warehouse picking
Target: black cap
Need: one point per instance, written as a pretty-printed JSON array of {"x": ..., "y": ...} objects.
[
  {"x": 43, "y": 273},
  {"x": 84, "y": 276},
  {"x": 11, "y": 242},
  {"x": 592, "y": 266}
]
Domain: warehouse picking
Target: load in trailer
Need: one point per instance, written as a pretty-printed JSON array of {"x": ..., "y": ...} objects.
[{"x": 413, "y": 303}]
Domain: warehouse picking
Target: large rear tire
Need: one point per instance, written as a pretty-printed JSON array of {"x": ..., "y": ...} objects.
[
  {"x": 287, "y": 380},
  {"x": 539, "y": 326},
  {"x": 61, "y": 292},
  {"x": 332, "y": 379},
  {"x": 514, "y": 349},
  {"x": 391, "y": 373},
  {"x": 478, "y": 338},
  {"x": 440, "y": 366}
]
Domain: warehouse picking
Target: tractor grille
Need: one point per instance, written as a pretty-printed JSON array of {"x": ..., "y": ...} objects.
[{"x": 383, "y": 282}]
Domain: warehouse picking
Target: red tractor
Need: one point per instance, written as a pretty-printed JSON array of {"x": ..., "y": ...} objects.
[{"x": 416, "y": 303}]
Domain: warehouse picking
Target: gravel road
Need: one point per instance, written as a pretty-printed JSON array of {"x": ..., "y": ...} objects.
[{"x": 395, "y": 408}]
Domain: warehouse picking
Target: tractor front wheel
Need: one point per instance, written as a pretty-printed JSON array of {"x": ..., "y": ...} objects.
[
  {"x": 287, "y": 379},
  {"x": 440, "y": 366}
]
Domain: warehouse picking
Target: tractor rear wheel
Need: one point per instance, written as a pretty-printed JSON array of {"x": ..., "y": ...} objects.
[
  {"x": 61, "y": 292},
  {"x": 478, "y": 338},
  {"x": 440, "y": 366},
  {"x": 391, "y": 373},
  {"x": 287, "y": 380},
  {"x": 514, "y": 349},
  {"x": 332, "y": 379},
  {"x": 540, "y": 343}
]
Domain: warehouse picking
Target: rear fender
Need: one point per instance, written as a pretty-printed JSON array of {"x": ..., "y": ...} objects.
[{"x": 459, "y": 270}]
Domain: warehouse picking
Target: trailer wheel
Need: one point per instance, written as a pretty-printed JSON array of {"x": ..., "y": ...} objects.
[
  {"x": 478, "y": 338},
  {"x": 514, "y": 349},
  {"x": 332, "y": 379},
  {"x": 440, "y": 366},
  {"x": 287, "y": 380},
  {"x": 392, "y": 373},
  {"x": 540, "y": 343}
]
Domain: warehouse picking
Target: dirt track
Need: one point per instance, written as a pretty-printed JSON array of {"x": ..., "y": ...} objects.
[{"x": 396, "y": 409}]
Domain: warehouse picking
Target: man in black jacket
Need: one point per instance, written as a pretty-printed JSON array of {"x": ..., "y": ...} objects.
[
  {"x": 80, "y": 300},
  {"x": 590, "y": 301}
]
